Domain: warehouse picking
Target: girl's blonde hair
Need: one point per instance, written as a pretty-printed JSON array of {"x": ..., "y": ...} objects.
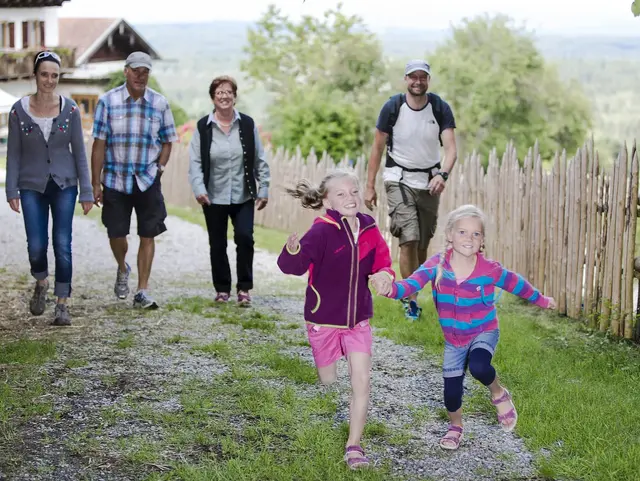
[
  {"x": 312, "y": 196},
  {"x": 462, "y": 212}
]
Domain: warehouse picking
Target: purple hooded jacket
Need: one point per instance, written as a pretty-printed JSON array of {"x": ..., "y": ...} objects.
[{"x": 337, "y": 291}]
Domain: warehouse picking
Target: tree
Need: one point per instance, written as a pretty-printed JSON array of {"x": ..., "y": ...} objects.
[
  {"x": 180, "y": 117},
  {"x": 313, "y": 120},
  {"x": 334, "y": 60},
  {"x": 500, "y": 88},
  {"x": 635, "y": 8}
]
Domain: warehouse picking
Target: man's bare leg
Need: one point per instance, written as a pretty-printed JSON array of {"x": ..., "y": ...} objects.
[{"x": 409, "y": 261}]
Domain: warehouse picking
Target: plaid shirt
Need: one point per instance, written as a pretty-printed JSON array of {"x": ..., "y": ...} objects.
[{"x": 134, "y": 132}]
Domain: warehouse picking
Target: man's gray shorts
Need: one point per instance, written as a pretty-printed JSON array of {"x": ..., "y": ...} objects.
[{"x": 413, "y": 213}]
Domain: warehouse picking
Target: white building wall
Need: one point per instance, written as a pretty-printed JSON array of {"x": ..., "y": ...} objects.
[
  {"x": 49, "y": 15},
  {"x": 20, "y": 88}
]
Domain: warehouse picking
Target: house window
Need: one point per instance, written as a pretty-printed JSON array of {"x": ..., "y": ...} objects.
[
  {"x": 41, "y": 31},
  {"x": 7, "y": 35},
  {"x": 25, "y": 35},
  {"x": 33, "y": 34}
]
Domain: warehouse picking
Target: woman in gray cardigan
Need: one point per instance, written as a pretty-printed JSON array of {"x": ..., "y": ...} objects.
[{"x": 46, "y": 160}]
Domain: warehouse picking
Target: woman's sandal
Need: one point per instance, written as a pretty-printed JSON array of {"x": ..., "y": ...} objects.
[
  {"x": 452, "y": 441},
  {"x": 355, "y": 462},
  {"x": 509, "y": 419}
]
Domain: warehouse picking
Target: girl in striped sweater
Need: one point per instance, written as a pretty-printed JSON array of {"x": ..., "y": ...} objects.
[{"x": 463, "y": 284}]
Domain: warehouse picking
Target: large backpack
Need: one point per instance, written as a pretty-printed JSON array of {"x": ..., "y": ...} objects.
[{"x": 398, "y": 100}]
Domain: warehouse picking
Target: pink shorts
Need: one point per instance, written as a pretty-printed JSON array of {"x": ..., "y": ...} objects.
[{"x": 329, "y": 344}]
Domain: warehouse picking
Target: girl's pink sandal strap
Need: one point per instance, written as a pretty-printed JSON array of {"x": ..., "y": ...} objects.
[{"x": 505, "y": 397}]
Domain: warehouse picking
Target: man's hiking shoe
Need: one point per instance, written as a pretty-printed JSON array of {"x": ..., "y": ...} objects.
[
  {"x": 143, "y": 301},
  {"x": 412, "y": 311},
  {"x": 38, "y": 301},
  {"x": 62, "y": 317},
  {"x": 121, "y": 289}
]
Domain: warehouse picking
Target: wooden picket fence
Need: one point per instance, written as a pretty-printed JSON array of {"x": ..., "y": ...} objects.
[{"x": 570, "y": 228}]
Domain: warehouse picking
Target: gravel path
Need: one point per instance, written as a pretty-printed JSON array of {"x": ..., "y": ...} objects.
[{"x": 406, "y": 385}]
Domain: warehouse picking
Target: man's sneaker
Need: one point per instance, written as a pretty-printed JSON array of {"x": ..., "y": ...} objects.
[
  {"x": 405, "y": 303},
  {"x": 244, "y": 299},
  {"x": 121, "y": 289},
  {"x": 62, "y": 317},
  {"x": 143, "y": 301},
  {"x": 38, "y": 301},
  {"x": 412, "y": 311}
]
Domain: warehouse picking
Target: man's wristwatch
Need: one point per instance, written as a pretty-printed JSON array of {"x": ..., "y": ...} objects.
[{"x": 445, "y": 175}]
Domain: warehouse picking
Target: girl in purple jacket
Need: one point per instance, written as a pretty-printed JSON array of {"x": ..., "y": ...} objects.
[{"x": 341, "y": 251}]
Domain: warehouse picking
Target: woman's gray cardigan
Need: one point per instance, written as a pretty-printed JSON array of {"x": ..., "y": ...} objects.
[{"x": 32, "y": 159}]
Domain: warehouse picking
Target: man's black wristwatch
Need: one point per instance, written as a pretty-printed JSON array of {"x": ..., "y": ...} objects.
[{"x": 445, "y": 175}]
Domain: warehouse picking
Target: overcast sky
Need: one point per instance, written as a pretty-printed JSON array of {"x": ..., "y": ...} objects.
[{"x": 571, "y": 16}]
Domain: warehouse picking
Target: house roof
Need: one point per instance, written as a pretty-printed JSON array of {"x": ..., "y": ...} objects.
[
  {"x": 30, "y": 3},
  {"x": 93, "y": 39}
]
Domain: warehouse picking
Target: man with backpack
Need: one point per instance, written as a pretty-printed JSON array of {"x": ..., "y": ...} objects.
[{"x": 413, "y": 126}]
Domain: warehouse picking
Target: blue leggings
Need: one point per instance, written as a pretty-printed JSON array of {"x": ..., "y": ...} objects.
[{"x": 480, "y": 368}]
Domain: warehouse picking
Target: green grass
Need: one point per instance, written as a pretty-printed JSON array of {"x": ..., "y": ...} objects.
[
  {"x": 126, "y": 341},
  {"x": 250, "y": 431},
  {"x": 576, "y": 392},
  {"x": 270, "y": 240},
  {"x": 27, "y": 351},
  {"x": 3, "y": 163},
  {"x": 24, "y": 385}
]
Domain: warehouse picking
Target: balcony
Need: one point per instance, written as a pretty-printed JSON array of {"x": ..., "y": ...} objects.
[{"x": 17, "y": 64}]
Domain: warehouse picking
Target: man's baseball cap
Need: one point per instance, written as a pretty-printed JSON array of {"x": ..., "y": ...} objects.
[
  {"x": 415, "y": 65},
  {"x": 138, "y": 59}
]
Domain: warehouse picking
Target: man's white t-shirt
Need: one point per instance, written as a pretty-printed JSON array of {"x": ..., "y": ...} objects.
[{"x": 416, "y": 142}]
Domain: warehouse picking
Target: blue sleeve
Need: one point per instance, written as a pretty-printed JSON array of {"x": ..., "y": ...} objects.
[
  {"x": 448, "y": 121},
  {"x": 383, "y": 119}
]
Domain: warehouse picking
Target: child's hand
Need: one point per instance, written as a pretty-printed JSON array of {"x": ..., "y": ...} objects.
[
  {"x": 382, "y": 283},
  {"x": 293, "y": 243},
  {"x": 552, "y": 303}
]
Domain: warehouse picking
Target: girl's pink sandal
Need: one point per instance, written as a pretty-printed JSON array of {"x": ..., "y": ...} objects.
[
  {"x": 450, "y": 440},
  {"x": 509, "y": 419},
  {"x": 355, "y": 462}
]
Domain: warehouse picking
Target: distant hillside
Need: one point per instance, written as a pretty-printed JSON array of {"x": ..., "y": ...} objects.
[{"x": 607, "y": 67}]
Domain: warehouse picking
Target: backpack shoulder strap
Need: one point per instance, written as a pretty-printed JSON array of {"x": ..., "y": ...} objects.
[
  {"x": 398, "y": 100},
  {"x": 436, "y": 106}
]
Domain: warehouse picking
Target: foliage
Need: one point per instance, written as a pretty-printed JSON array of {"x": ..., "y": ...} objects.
[
  {"x": 333, "y": 60},
  {"x": 180, "y": 117},
  {"x": 500, "y": 88},
  {"x": 635, "y": 8},
  {"x": 312, "y": 120}
]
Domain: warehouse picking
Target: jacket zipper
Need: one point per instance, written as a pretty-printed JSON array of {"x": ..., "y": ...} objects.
[
  {"x": 347, "y": 229},
  {"x": 355, "y": 249}
]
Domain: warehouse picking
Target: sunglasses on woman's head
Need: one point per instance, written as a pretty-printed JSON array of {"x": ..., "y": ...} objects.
[{"x": 43, "y": 55}]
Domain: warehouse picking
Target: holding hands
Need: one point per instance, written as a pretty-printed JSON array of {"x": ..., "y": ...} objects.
[
  {"x": 293, "y": 243},
  {"x": 382, "y": 283}
]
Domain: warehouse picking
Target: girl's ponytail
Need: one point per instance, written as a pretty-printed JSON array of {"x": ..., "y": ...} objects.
[{"x": 310, "y": 196}]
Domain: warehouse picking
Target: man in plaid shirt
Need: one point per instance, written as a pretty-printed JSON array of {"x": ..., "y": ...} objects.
[{"x": 133, "y": 130}]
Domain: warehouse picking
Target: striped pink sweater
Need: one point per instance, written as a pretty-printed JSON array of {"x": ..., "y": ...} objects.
[{"x": 467, "y": 309}]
